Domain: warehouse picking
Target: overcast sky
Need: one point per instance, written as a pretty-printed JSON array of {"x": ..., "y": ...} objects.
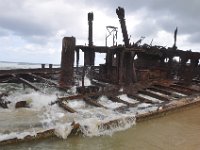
[{"x": 32, "y": 30}]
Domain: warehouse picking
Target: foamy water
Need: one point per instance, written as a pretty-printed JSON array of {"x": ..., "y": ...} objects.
[{"x": 41, "y": 115}]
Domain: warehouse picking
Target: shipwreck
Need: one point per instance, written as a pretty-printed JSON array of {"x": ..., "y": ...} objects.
[{"x": 146, "y": 74}]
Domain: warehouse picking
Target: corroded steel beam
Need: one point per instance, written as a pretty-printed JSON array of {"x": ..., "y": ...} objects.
[
  {"x": 93, "y": 102},
  {"x": 162, "y": 98},
  {"x": 140, "y": 99},
  {"x": 64, "y": 105}
]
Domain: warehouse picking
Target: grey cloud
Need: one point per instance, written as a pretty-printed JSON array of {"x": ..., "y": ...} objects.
[
  {"x": 37, "y": 21},
  {"x": 167, "y": 13},
  {"x": 23, "y": 27}
]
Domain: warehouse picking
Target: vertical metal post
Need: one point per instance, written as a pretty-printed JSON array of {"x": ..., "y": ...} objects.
[{"x": 90, "y": 36}]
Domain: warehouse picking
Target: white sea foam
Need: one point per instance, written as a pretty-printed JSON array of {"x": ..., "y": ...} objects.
[
  {"x": 36, "y": 100},
  {"x": 97, "y": 127},
  {"x": 77, "y": 104},
  {"x": 100, "y": 121},
  {"x": 63, "y": 130},
  {"x": 108, "y": 103}
]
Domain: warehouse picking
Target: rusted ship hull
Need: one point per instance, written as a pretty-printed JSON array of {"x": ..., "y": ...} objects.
[{"x": 149, "y": 76}]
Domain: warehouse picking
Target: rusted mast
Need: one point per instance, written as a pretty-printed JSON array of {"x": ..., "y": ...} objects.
[
  {"x": 120, "y": 12},
  {"x": 67, "y": 62},
  {"x": 175, "y": 38}
]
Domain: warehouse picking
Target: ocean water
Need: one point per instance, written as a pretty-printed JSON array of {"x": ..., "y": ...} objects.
[
  {"x": 21, "y": 65},
  {"x": 176, "y": 131}
]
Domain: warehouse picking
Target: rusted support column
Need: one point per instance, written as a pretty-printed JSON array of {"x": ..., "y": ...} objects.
[
  {"x": 50, "y": 66},
  {"x": 130, "y": 73},
  {"x": 121, "y": 68},
  {"x": 42, "y": 66},
  {"x": 89, "y": 57},
  {"x": 89, "y": 54},
  {"x": 109, "y": 58},
  {"x": 77, "y": 58},
  {"x": 127, "y": 73},
  {"x": 67, "y": 62}
]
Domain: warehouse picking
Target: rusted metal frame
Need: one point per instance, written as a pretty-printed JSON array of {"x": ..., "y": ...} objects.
[
  {"x": 173, "y": 89},
  {"x": 43, "y": 79},
  {"x": 169, "y": 108},
  {"x": 93, "y": 102},
  {"x": 75, "y": 131},
  {"x": 182, "y": 90},
  {"x": 65, "y": 106},
  {"x": 185, "y": 88},
  {"x": 141, "y": 99},
  {"x": 162, "y": 98},
  {"x": 123, "y": 109},
  {"x": 40, "y": 135}
]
